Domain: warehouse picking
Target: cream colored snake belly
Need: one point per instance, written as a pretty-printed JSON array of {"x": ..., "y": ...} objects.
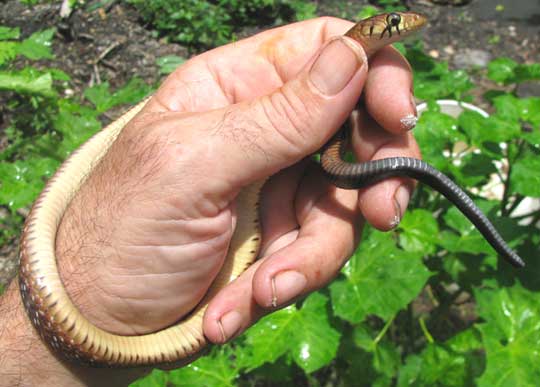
[{"x": 70, "y": 334}]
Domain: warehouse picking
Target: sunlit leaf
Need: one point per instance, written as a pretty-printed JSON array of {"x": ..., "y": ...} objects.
[
  {"x": 9, "y": 33},
  {"x": 420, "y": 232},
  {"x": 305, "y": 334},
  {"x": 511, "y": 335},
  {"x": 216, "y": 370},
  {"x": 27, "y": 83},
  {"x": 380, "y": 279},
  {"x": 525, "y": 176},
  {"x": 38, "y": 45}
]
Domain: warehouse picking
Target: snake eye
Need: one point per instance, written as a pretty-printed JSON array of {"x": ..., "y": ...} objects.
[{"x": 393, "y": 19}]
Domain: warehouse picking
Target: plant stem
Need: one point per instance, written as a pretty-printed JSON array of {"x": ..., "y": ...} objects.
[
  {"x": 383, "y": 331},
  {"x": 427, "y": 335},
  {"x": 506, "y": 194}
]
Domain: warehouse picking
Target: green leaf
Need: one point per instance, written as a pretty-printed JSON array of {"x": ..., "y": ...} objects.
[
  {"x": 511, "y": 335},
  {"x": 386, "y": 357},
  {"x": 527, "y": 72},
  {"x": 420, "y": 232},
  {"x": 380, "y": 279},
  {"x": 475, "y": 169},
  {"x": 367, "y": 11},
  {"x": 216, "y": 370},
  {"x": 502, "y": 70},
  {"x": 9, "y": 33},
  {"x": 167, "y": 64},
  {"x": 530, "y": 112},
  {"x": 27, "y": 82},
  {"x": 435, "y": 133},
  {"x": 104, "y": 100},
  {"x": 303, "y": 10},
  {"x": 456, "y": 362},
  {"x": 468, "y": 240},
  {"x": 525, "y": 176},
  {"x": 76, "y": 123},
  {"x": 305, "y": 334},
  {"x": 506, "y": 70},
  {"x": 156, "y": 378},
  {"x": 8, "y": 51},
  {"x": 508, "y": 106},
  {"x": 22, "y": 180},
  {"x": 38, "y": 45},
  {"x": 440, "y": 82}
]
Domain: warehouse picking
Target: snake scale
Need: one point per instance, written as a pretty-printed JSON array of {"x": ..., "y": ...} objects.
[{"x": 69, "y": 333}]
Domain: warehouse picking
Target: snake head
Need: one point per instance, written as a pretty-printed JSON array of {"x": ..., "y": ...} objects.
[{"x": 381, "y": 30}]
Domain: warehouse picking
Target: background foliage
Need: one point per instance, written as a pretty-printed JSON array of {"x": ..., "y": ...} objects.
[{"x": 427, "y": 304}]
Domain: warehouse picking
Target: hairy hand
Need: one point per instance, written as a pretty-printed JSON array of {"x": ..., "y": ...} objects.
[{"x": 148, "y": 231}]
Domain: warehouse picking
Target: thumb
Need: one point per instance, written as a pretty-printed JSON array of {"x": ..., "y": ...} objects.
[{"x": 257, "y": 138}]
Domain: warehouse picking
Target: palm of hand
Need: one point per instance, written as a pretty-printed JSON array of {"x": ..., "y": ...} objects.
[{"x": 178, "y": 164}]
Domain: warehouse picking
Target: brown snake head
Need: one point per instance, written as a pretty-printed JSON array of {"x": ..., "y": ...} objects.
[{"x": 380, "y": 30}]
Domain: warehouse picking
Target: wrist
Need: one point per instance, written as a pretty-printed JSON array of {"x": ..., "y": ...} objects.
[{"x": 26, "y": 360}]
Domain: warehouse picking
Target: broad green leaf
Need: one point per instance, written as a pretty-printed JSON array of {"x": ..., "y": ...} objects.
[
  {"x": 501, "y": 70},
  {"x": 530, "y": 112},
  {"x": 367, "y": 11},
  {"x": 104, "y": 100},
  {"x": 508, "y": 107},
  {"x": 474, "y": 169},
  {"x": 167, "y": 64},
  {"x": 493, "y": 129},
  {"x": 8, "y": 51},
  {"x": 386, "y": 357},
  {"x": 456, "y": 362},
  {"x": 440, "y": 82},
  {"x": 9, "y": 33},
  {"x": 38, "y": 45},
  {"x": 468, "y": 238},
  {"x": 303, "y": 10},
  {"x": 216, "y": 370},
  {"x": 59, "y": 75},
  {"x": 435, "y": 133},
  {"x": 305, "y": 334},
  {"x": 156, "y": 378},
  {"x": 27, "y": 83},
  {"x": 76, "y": 123},
  {"x": 511, "y": 335},
  {"x": 357, "y": 364},
  {"x": 420, "y": 232},
  {"x": 525, "y": 176},
  {"x": 22, "y": 180},
  {"x": 380, "y": 279},
  {"x": 280, "y": 373},
  {"x": 527, "y": 72}
]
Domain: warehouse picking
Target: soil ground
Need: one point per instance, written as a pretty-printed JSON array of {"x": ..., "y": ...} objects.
[{"x": 131, "y": 49}]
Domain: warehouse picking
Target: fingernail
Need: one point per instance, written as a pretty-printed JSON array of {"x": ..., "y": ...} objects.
[
  {"x": 286, "y": 286},
  {"x": 401, "y": 200},
  {"x": 229, "y": 325},
  {"x": 410, "y": 120},
  {"x": 325, "y": 76}
]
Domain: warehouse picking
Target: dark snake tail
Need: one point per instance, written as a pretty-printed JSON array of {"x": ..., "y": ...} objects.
[{"x": 360, "y": 175}]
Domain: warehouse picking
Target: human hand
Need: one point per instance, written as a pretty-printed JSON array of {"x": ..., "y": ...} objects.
[{"x": 146, "y": 234}]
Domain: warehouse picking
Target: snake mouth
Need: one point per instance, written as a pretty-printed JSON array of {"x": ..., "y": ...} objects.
[{"x": 417, "y": 21}]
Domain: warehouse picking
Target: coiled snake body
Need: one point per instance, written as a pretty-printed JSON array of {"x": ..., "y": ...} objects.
[{"x": 68, "y": 332}]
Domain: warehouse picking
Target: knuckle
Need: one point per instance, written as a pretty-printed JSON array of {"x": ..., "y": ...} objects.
[{"x": 293, "y": 118}]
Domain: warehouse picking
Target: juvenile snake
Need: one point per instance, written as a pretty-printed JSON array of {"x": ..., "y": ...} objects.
[{"x": 69, "y": 333}]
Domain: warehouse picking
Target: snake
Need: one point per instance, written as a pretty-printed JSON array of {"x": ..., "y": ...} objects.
[{"x": 66, "y": 330}]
